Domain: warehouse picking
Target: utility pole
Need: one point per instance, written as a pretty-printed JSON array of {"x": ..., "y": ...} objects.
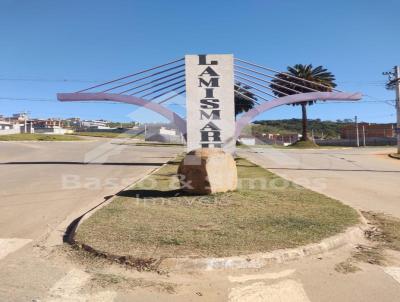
[
  {"x": 363, "y": 129},
  {"x": 394, "y": 83},
  {"x": 397, "y": 87},
  {"x": 357, "y": 134}
]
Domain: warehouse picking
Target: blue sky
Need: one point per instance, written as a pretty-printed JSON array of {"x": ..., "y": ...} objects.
[{"x": 63, "y": 46}]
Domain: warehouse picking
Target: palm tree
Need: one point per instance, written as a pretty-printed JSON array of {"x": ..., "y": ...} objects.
[
  {"x": 246, "y": 102},
  {"x": 318, "y": 75}
]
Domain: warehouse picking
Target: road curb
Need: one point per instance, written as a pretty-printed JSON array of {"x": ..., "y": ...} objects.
[
  {"x": 70, "y": 231},
  {"x": 352, "y": 235},
  {"x": 394, "y": 157},
  {"x": 65, "y": 231}
]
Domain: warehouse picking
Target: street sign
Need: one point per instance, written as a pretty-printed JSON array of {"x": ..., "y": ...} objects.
[{"x": 210, "y": 102}]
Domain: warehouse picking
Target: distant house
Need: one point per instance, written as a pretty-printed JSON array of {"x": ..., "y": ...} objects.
[
  {"x": 247, "y": 140},
  {"x": 95, "y": 124},
  {"x": 9, "y": 128},
  {"x": 163, "y": 134},
  {"x": 164, "y": 131},
  {"x": 371, "y": 130},
  {"x": 48, "y": 126},
  {"x": 279, "y": 139}
]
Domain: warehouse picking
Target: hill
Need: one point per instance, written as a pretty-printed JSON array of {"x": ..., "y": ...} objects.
[{"x": 327, "y": 129}]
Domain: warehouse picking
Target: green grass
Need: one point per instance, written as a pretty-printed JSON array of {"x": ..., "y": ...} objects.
[
  {"x": 152, "y": 144},
  {"x": 109, "y": 134},
  {"x": 309, "y": 144},
  {"x": 37, "y": 137},
  {"x": 289, "y": 147},
  {"x": 265, "y": 214}
]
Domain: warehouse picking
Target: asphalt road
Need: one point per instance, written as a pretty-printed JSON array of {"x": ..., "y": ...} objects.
[
  {"x": 46, "y": 185},
  {"x": 365, "y": 178},
  {"x": 43, "y": 183}
]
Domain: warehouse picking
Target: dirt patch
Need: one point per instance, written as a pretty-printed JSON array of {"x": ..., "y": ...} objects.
[
  {"x": 386, "y": 230},
  {"x": 118, "y": 282},
  {"x": 347, "y": 267},
  {"x": 384, "y": 235}
]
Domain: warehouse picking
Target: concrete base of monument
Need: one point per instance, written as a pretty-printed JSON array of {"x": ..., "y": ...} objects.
[{"x": 208, "y": 171}]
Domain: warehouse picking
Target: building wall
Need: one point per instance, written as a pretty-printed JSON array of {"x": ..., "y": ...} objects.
[
  {"x": 165, "y": 131},
  {"x": 10, "y": 131},
  {"x": 249, "y": 141},
  {"x": 371, "y": 131},
  {"x": 52, "y": 130},
  {"x": 369, "y": 141}
]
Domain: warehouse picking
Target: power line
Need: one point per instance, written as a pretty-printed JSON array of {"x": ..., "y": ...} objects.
[
  {"x": 51, "y": 100},
  {"x": 49, "y": 80}
]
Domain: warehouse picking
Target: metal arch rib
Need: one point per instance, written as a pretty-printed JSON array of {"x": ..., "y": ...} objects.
[
  {"x": 181, "y": 123},
  {"x": 293, "y": 99},
  {"x": 101, "y": 96}
]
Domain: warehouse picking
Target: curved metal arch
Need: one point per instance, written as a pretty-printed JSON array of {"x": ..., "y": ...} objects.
[
  {"x": 101, "y": 96},
  {"x": 293, "y": 99}
]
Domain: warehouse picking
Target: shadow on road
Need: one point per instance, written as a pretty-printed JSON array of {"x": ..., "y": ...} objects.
[
  {"x": 330, "y": 169},
  {"x": 152, "y": 193},
  {"x": 78, "y": 163},
  {"x": 68, "y": 236}
]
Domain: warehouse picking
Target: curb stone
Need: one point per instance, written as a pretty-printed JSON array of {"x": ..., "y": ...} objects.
[
  {"x": 65, "y": 231},
  {"x": 108, "y": 201},
  {"x": 352, "y": 235}
]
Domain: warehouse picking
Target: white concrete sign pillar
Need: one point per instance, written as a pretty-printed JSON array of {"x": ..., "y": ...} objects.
[{"x": 210, "y": 102}]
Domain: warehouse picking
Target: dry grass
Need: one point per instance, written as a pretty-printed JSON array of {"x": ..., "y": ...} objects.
[
  {"x": 309, "y": 144},
  {"x": 388, "y": 230},
  {"x": 37, "y": 137},
  {"x": 347, "y": 267},
  {"x": 118, "y": 282},
  {"x": 110, "y": 134},
  {"x": 370, "y": 254},
  {"x": 383, "y": 234},
  {"x": 266, "y": 213}
]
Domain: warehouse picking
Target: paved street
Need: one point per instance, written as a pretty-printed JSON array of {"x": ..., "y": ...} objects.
[
  {"x": 44, "y": 186},
  {"x": 364, "y": 178},
  {"x": 44, "y": 182}
]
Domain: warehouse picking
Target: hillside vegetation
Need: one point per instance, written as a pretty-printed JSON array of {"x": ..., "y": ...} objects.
[{"x": 329, "y": 129}]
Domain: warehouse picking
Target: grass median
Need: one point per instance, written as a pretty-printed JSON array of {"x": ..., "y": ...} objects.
[
  {"x": 110, "y": 134},
  {"x": 38, "y": 137},
  {"x": 155, "y": 219}
]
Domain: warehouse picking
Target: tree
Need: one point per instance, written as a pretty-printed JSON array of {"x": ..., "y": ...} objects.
[
  {"x": 319, "y": 74},
  {"x": 243, "y": 103}
]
